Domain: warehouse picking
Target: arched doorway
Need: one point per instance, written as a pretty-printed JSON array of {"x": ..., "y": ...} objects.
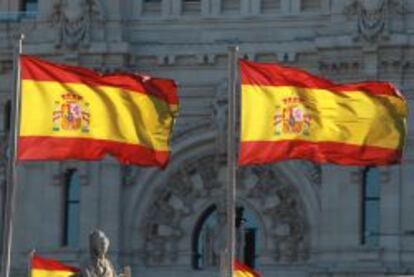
[
  {"x": 178, "y": 209},
  {"x": 209, "y": 237}
]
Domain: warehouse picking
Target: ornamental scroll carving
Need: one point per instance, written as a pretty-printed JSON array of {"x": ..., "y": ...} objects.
[
  {"x": 73, "y": 20},
  {"x": 200, "y": 181}
]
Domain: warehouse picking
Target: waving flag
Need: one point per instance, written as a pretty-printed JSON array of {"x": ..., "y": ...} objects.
[
  {"x": 70, "y": 112},
  {"x": 42, "y": 267},
  {"x": 287, "y": 113},
  {"x": 242, "y": 270}
]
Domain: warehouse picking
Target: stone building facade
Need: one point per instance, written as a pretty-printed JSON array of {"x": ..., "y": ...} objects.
[{"x": 300, "y": 219}]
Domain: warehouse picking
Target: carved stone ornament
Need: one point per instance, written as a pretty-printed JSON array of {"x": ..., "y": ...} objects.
[
  {"x": 199, "y": 184},
  {"x": 373, "y": 17},
  {"x": 73, "y": 20}
]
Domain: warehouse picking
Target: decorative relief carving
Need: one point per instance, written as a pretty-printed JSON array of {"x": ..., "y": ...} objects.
[
  {"x": 74, "y": 19},
  {"x": 373, "y": 17},
  {"x": 278, "y": 204}
]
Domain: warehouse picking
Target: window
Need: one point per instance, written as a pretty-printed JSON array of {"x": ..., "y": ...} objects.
[
  {"x": 29, "y": 6},
  {"x": 71, "y": 208},
  {"x": 311, "y": 5},
  {"x": 370, "y": 207},
  {"x": 209, "y": 238}
]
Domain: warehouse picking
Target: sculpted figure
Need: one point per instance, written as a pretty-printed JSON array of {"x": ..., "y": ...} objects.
[
  {"x": 74, "y": 19},
  {"x": 98, "y": 265},
  {"x": 373, "y": 16}
]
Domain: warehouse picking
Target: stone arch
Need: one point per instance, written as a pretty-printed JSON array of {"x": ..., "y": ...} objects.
[{"x": 167, "y": 205}]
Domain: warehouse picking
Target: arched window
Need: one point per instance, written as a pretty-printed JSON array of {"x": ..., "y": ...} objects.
[
  {"x": 370, "y": 207},
  {"x": 29, "y": 7},
  {"x": 209, "y": 237},
  {"x": 71, "y": 208}
]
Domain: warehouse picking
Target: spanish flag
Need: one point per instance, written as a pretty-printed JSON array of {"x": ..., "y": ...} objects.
[
  {"x": 287, "y": 113},
  {"x": 42, "y": 267},
  {"x": 241, "y": 270},
  {"x": 70, "y": 112}
]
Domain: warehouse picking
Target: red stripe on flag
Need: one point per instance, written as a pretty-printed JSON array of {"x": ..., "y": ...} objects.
[
  {"x": 321, "y": 152},
  {"x": 50, "y": 264},
  {"x": 266, "y": 74},
  {"x": 40, "y": 70},
  {"x": 243, "y": 268},
  {"x": 58, "y": 148}
]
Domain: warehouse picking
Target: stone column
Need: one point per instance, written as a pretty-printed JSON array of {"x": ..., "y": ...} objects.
[
  {"x": 255, "y": 7},
  {"x": 176, "y": 8},
  {"x": 215, "y": 7},
  {"x": 371, "y": 61},
  {"x": 295, "y": 6},
  {"x": 245, "y": 7},
  {"x": 166, "y": 8},
  {"x": 325, "y": 5},
  {"x": 112, "y": 12}
]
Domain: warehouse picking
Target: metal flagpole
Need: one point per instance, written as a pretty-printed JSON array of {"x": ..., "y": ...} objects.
[
  {"x": 30, "y": 263},
  {"x": 11, "y": 170},
  {"x": 231, "y": 165}
]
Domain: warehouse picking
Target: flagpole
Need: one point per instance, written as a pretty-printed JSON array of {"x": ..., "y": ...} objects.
[
  {"x": 231, "y": 165},
  {"x": 30, "y": 263},
  {"x": 11, "y": 171}
]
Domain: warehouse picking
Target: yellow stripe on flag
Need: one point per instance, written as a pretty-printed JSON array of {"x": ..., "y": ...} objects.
[
  {"x": 352, "y": 117},
  {"x": 51, "y": 273},
  {"x": 115, "y": 114},
  {"x": 239, "y": 273}
]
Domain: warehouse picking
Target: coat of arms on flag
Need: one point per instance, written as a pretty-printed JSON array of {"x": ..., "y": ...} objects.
[
  {"x": 71, "y": 114},
  {"x": 292, "y": 117}
]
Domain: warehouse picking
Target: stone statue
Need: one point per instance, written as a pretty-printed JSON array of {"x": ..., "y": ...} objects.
[
  {"x": 73, "y": 19},
  {"x": 98, "y": 265}
]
